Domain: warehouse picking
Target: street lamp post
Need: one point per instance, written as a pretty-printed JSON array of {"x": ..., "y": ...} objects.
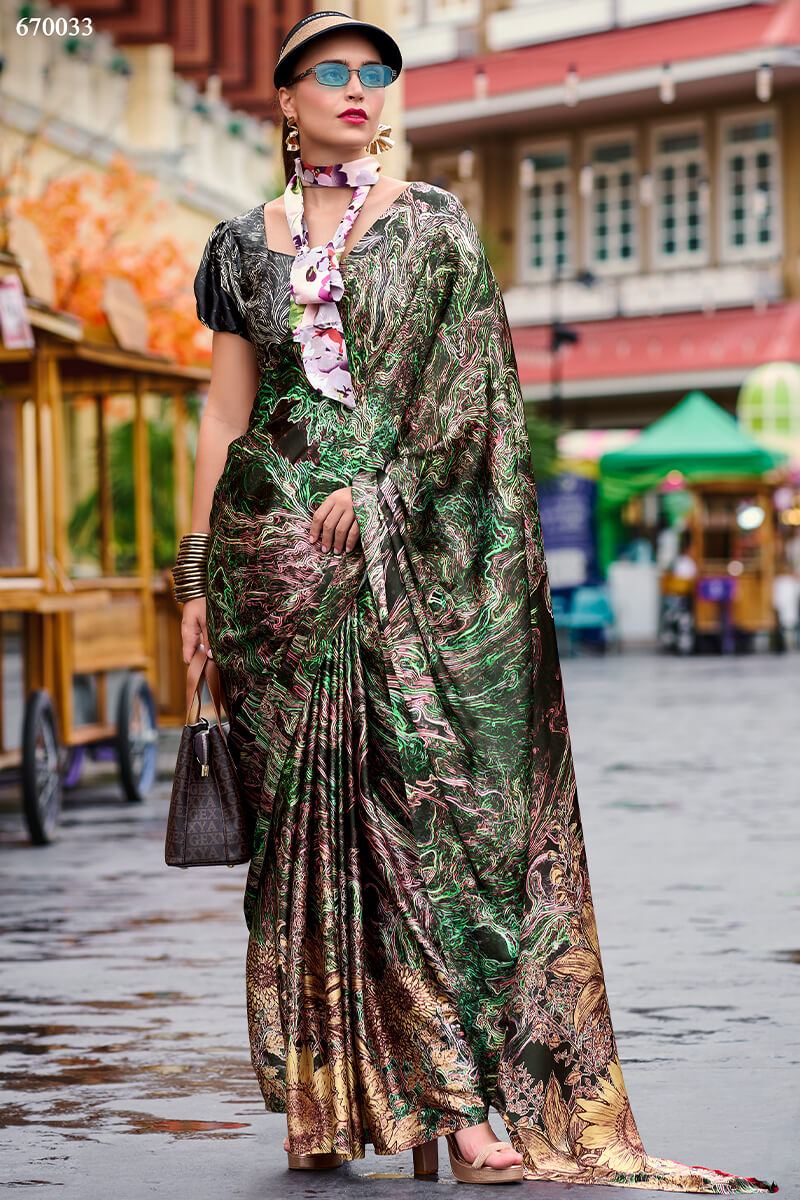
[{"x": 561, "y": 335}]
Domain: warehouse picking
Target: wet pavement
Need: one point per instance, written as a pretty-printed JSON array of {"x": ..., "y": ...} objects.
[{"x": 125, "y": 1069}]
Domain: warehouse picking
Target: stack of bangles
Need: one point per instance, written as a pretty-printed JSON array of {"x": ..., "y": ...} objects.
[{"x": 189, "y": 572}]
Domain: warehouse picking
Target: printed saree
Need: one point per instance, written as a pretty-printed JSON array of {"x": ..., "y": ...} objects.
[{"x": 422, "y": 936}]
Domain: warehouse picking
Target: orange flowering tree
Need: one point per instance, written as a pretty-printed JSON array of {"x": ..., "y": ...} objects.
[{"x": 110, "y": 222}]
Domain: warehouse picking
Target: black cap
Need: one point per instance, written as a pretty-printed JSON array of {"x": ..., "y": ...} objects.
[{"x": 315, "y": 25}]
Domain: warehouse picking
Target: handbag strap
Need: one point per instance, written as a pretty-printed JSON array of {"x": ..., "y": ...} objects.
[{"x": 202, "y": 665}]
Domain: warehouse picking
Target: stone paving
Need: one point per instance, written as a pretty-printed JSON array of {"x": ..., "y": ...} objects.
[{"x": 125, "y": 1069}]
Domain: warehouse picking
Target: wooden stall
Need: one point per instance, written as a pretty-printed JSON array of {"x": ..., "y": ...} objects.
[
  {"x": 724, "y": 550},
  {"x": 89, "y": 629},
  {"x": 721, "y": 589}
]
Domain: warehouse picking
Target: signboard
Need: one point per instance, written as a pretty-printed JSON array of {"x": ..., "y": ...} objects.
[
  {"x": 566, "y": 511},
  {"x": 126, "y": 313},
  {"x": 28, "y": 246},
  {"x": 14, "y": 324}
]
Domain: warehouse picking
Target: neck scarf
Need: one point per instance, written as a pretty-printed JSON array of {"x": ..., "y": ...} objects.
[{"x": 316, "y": 281}]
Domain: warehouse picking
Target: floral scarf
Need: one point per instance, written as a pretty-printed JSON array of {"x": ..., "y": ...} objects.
[{"x": 316, "y": 281}]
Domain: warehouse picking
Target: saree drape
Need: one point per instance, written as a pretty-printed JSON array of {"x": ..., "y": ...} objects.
[{"x": 422, "y": 945}]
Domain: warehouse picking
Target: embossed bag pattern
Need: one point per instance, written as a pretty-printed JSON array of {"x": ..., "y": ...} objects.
[{"x": 207, "y": 824}]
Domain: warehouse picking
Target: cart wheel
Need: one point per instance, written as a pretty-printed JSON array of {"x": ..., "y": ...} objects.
[
  {"x": 137, "y": 737},
  {"x": 41, "y": 769}
]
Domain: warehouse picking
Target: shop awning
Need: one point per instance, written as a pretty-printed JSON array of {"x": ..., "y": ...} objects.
[
  {"x": 662, "y": 352},
  {"x": 695, "y": 437}
]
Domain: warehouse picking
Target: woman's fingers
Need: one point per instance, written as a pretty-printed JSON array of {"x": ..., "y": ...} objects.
[
  {"x": 193, "y": 627},
  {"x": 341, "y": 531},
  {"x": 330, "y": 526},
  {"x": 325, "y": 522},
  {"x": 190, "y": 640},
  {"x": 319, "y": 517},
  {"x": 334, "y": 523},
  {"x": 353, "y": 536},
  {"x": 343, "y": 534}
]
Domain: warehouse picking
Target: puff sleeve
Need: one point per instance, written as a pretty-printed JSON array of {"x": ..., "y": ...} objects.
[{"x": 217, "y": 284}]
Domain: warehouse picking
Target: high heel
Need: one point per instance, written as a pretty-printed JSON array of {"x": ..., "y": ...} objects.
[
  {"x": 314, "y": 1162},
  {"x": 476, "y": 1171},
  {"x": 426, "y": 1158}
]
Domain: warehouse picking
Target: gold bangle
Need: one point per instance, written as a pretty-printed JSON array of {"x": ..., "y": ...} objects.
[
  {"x": 186, "y": 587},
  {"x": 189, "y": 572},
  {"x": 192, "y": 581},
  {"x": 194, "y": 543},
  {"x": 182, "y": 597},
  {"x": 182, "y": 577}
]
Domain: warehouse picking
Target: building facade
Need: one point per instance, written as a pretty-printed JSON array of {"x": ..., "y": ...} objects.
[{"x": 634, "y": 169}]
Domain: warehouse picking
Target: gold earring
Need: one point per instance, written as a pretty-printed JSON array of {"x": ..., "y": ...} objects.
[
  {"x": 293, "y": 135},
  {"x": 381, "y": 141}
]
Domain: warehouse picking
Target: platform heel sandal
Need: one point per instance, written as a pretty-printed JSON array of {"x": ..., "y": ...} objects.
[
  {"x": 314, "y": 1162},
  {"x": 426, "y": 1158},
  {"x": 477, "y": 1172}
]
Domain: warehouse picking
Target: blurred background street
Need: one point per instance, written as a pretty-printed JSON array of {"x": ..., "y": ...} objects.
[{"x": 122, "y": 1018}]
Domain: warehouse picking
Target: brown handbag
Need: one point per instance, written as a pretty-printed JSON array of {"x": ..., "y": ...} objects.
[{"x": 207, "y": 824}]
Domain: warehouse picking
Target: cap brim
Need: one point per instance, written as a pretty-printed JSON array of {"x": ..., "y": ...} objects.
[{"x": 390, "y": 51}]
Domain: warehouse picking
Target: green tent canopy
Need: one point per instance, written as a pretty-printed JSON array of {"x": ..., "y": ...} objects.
[{"x": 697, "y": 438}]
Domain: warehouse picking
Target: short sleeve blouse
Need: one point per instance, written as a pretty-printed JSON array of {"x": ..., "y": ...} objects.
[{"x": 217, "y": 284}]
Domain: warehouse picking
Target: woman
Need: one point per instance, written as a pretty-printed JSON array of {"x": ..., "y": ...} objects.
[{"x": 422, "y": 936}]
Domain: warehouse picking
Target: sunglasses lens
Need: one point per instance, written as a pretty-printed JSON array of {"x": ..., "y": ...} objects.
[
  {"x": 375, "y": 75},
  {"x": 332, "y": 74},
  {"x": 337, "y": 75}
]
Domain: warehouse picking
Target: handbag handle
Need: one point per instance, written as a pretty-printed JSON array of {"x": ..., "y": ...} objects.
[{"x": 201, "y": 664}]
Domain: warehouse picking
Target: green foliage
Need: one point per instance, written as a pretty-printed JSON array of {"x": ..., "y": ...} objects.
[
  {"x": 84, "y": 522},
  {"x": 543, "y": 435}
]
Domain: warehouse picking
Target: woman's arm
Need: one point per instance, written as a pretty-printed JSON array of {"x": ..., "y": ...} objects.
[{"x": 234, "y": 382}]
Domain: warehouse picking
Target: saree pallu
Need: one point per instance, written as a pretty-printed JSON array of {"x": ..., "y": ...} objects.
[{"x": 422, "y": 944}]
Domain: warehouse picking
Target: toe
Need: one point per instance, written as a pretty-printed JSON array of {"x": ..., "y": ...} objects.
[{"x": 505, "y": 1158}]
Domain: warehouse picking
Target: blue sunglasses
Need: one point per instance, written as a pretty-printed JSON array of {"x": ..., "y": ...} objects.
[{"x": 333, "y": 74}]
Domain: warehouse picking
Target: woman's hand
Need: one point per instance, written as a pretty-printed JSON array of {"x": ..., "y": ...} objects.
[
  {"x": 193, "y": 628},
  {"x": 335, "y": 522}
]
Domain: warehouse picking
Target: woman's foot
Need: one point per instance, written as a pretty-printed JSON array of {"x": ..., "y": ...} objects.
[
  {"x": 475, "y": 1137},
  {"x": 470, "y": 1141}
]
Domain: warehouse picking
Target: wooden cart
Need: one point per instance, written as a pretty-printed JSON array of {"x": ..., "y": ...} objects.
[
  {"x": 89, "y": 639},
  {"x": 731, "y": 540}
]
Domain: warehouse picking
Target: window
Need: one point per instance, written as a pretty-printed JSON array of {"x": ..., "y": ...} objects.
[
  {"x": 750, "y": 188},
  {"x": 612, "y": 206},
  {"x": 680, "y": 198},
  {"x": 773, "y": 407},
  {"x": 547, "y": 215}
]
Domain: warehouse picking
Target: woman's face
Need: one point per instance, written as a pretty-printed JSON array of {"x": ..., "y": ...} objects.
[{"x": 324, "y": 135}]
